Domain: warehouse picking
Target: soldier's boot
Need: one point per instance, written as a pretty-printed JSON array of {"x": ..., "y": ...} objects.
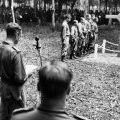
[
  {"x": 62, "y": 58},
  {"x": 71, "y": 55},
  {"x": 74, "y": 56}
]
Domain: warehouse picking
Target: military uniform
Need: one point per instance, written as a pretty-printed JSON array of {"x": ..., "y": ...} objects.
[
  {"x": 81, "y": 41},
  {"x": 89, "y": 35},
  {"x": 43, "y": 114},
  {"x": 94, "y": 36},
  {"x": 74, "y": 41},
  {"x": 12, "y": 79},
  {"x": 85, "y": 30},
  {"x": 65, "y": 36}
]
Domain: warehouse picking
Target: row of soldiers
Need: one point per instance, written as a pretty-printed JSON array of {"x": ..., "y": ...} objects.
[{"x": 79, "y": 37}]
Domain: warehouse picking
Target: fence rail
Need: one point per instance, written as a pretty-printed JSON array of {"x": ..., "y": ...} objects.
[{"x": 103, "y": 47}]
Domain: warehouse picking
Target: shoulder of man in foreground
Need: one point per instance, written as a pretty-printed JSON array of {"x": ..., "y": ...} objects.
[
  {"x": 31, "y": 114},
  {"x": 18, "y": 113},
  {"x": 77, "y": 117}
]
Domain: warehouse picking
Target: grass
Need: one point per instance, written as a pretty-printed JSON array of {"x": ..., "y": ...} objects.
[{"x": 95, "y": 87}]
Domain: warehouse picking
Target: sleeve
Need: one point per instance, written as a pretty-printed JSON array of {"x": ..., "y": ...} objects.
[
  {"x": 0, "y": 62},
  {"x": 72, "y": 31},
  {"x": 64, "y": 32},
  {"x": 19, "y": 70}
]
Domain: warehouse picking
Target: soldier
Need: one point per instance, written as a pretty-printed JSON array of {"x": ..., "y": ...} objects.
[
  {"x": 89, "y": 32},
  {"x": 94, "y": 30},
  {"x": 82, "y": 35},
  {"x": 12, "y": 72},
  {"x": 54, "y": 85},
  {"x": 74, "y": 39},
  {"x": 65, "y": 36}
]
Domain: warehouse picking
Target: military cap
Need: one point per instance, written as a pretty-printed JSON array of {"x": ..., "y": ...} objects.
[
  {"x": 67, "y": 16},
  {"x": 14, "y": 26},
  {"x": 75, "y": 21},
  {"x": 88, "y": 16}
]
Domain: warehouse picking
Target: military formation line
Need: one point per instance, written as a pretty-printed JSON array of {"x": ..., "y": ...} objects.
[{"x": 78, "y": 36}]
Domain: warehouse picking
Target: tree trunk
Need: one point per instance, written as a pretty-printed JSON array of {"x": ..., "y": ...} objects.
[
  {"x": 86, "y": 7},
  {"x": 106, "y": 5},
  {"x": 35, "y": 7},
  {"x": 53, "y": 15},
  {"x": 72, "y": 6},
  {"x": 59, "y": 7},
  {"x": 11, "y": 5}
]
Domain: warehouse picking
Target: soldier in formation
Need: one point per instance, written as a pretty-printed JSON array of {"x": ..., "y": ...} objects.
[
  {"x": 65, "y": 36},
  {"x": 80, "y": 37}
]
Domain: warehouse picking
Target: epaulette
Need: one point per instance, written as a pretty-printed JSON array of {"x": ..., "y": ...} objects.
[
  {"x": 77, "y": 117},
  {"x": 22, "y": 110},
  {"x": 16, "y": 49}
]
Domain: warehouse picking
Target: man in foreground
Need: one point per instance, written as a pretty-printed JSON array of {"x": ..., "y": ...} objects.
[
  {"x": 54, "y": 85},
  {"x": 12, "y": 72}
]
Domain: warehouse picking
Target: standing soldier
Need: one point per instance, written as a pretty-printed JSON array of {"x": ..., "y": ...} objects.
[
  {"x": 74, "y": 39},
  {"x": 65, "y": 36},
  {"x": 94, "y": 30},
  {"x": 12, "y": 72},
  {"x": 89, "y": 33},
  {"x": 81, "y": 40}
]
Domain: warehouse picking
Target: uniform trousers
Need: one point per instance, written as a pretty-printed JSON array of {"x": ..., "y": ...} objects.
[
  {"x": 9, "y": 103},
  {"x": 65, "y": 46}
]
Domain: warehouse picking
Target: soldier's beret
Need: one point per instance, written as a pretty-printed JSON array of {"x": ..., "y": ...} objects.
[{"x": 14, "y": 26}]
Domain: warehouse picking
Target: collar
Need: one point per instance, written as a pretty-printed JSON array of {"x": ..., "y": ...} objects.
[
  {"x": 8, "y": 43},
  {"x": 40, "y": 108}
]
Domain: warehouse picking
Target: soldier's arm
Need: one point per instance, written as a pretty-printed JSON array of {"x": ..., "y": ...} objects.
[
  {"x": 96, "y": 29},
  {"x": 19, "y": 70},
  {"x": 72, "y": 31},
  {"x": 64, "y": 32}
]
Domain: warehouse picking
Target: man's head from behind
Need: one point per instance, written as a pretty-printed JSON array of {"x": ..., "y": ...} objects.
[
  {"x": 54, "y": 80},
  {"x": 13, "y": 31},
  {"x": 67, "y": 17}
]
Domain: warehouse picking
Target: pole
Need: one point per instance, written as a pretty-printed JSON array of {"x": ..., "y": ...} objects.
[
  {"x": 38, "y": 47},
  {"x": 53, "y": 14},
  {"x": 103, "y": 46},
  {"x": 95, "y": 51},
  {"x": 118, "y": 55},
  {"x": 12, "y": 9}
]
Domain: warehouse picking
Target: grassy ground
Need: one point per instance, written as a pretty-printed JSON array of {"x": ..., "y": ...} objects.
[{"x": 95, "y": 87}]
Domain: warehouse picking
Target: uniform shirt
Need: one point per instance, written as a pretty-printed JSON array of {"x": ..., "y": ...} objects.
[
  {"x": 74, "y": 32},
  {"x": 81, "y": 28},
  {"x": 11, "y": 65},
  {"x": 65, "y": 30},
  {"x": 88, "y": 25},
  {"x": 94, "y": 27},
  {"x": 43, "y": 114}
]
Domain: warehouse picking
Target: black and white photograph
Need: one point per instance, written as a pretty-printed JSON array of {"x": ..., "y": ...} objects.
[{"x": 59, "y": 59}]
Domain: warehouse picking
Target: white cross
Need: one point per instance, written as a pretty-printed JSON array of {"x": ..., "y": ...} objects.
[{"x": 114, "y": 17}]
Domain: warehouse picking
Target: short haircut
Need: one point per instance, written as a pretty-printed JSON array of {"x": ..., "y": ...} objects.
[
  {"x": 54, "y": 79},
  {"x": 12, "y": 29},
  {"x": 66, "y": 16}
]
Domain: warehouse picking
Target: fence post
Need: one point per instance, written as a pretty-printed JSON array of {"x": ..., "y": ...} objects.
[
  {"x": 103, "y": 46},
  {"x": 118, "y": 55},
  {"x": 96, "y": 50}
]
